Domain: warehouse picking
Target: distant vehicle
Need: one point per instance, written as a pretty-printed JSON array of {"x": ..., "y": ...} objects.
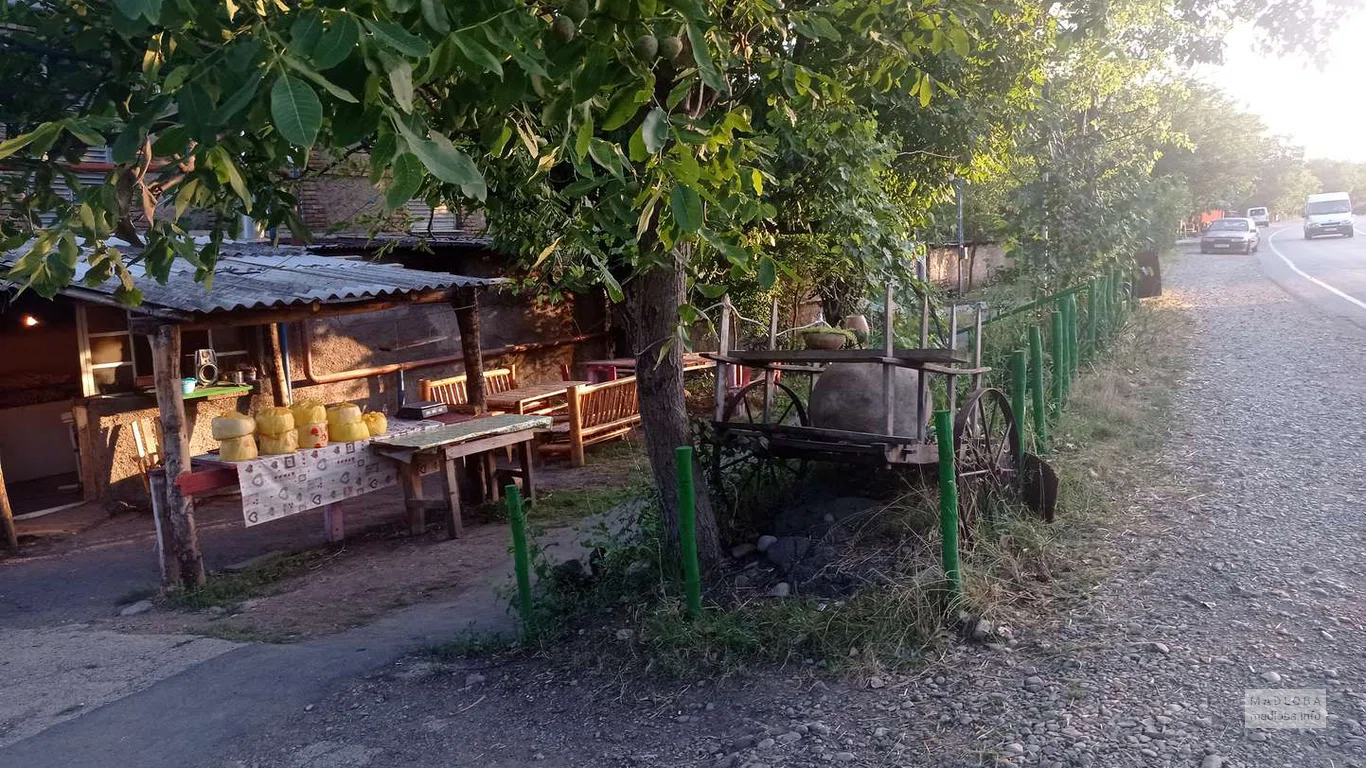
[
  {"x": 1231, "y": 234},
  {"x": 1328, "y": 214},
  {"x": 1261, "y": 216}
]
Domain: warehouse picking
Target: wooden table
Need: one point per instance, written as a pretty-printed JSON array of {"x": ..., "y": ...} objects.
[
  {"x": 449, "y": 444},
  {"x": 611, "y": 369},
  {"x": 532, "y": 398}
]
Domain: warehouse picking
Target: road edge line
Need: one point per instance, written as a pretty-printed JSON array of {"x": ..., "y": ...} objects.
[{"x": 1271, "y": 243}]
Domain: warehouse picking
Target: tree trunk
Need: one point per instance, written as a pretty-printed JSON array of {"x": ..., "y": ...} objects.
[
  {"x": 7, "y": 516},
  {"x": 651, "y": 320},
  {"x": 466, "y": 305},
  {"x": 175, "y": 458}
]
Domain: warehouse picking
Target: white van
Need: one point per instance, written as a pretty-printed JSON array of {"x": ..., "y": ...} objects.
[
  {"x": 1328, "y": 214},
  {"x": 1260, "y": 215}
]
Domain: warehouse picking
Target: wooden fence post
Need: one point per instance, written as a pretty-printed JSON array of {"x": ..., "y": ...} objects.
[{"x": 175, "y": 457}]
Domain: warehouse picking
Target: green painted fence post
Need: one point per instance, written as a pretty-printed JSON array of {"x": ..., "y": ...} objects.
[
  {"x": 687, "y": 530},
  {"x": 948, "y": 503},
  {"x": 1036, "y": 388},
  {"x": 1115, "y": 307},
  {"x": 1073, "y": 348},
  {"x": 1059, "y": 362},
  {"x": 521, "y": 559},
  {"x": 1091, "y": 320},
  {"x": 1018, "y": 373}
]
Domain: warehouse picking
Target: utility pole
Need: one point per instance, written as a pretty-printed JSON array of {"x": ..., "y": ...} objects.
[{"x": 962, "y": 247}]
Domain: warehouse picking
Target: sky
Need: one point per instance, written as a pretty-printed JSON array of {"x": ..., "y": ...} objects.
[{"x": 1320, "y": 109}]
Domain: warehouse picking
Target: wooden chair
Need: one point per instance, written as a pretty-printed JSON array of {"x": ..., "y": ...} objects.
[
  {"x": 597, "y": 413},
  {"x": 453, "y": 391},
  {"x": 147, "y": 439}
]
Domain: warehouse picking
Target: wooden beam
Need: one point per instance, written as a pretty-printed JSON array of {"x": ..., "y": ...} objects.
[
  {"x": 7, "y": 515},
  {"x": 181, "y": 536},
  {"x": 466, "y": 305},
  {"x": 88, "y": 388},
  {"x": 279, "y": 382}
]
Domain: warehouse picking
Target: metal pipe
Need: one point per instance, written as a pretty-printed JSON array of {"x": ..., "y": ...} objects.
[
  {"x": 977, "y": 344},
  {"x": 889, "y": 370},
  {"x": 1091, "y": 320},
  {"x": 282, "y": 330},
  {"x": 951, "y": 386},
  {"x": 687, "y": 530},
  {"x": 1017, "y": 394},
  {"x": 722, "y": 370},
  {"x": 948, "y": 504},
  {"x": 521, "y": 559},
  {"x": 772, "y": 345},
  {"x": 1036, "y": 388},
  {"x": 1059, "y": 371}
]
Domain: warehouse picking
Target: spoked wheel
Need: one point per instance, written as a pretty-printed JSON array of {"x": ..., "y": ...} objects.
[
  {"x": 987, "y": 442},
  {"x": 744, "y": 468}
]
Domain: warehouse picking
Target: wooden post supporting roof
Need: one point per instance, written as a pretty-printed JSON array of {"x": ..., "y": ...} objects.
[
  {"x": 7, "y": 515},
  {"x": 187, "y": 566},
  {"x": 466, "y": 304}
]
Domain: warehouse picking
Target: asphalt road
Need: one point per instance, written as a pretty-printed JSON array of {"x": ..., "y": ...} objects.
[{"x": 1329, "y": 272}]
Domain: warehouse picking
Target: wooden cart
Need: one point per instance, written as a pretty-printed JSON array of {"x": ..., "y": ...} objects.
[{"x": 763, "y": 432}]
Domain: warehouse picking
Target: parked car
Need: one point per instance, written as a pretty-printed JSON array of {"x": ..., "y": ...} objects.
[
  {"x": 1327, "y": 214},
  {"x": 1231, "y": 234},
  {"x": 1261, "y": 216}
]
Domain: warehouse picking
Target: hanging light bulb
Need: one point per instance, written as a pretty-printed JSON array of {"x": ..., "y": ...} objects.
[{"x": 30, "y": 321}]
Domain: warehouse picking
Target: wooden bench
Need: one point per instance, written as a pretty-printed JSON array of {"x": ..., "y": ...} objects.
[
  {"x": 597, "y": 413},
  {"x": 452, "y": 391}
]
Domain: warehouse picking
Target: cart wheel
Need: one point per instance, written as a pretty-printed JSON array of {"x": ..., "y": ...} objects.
[
  {"x": 986, "y": 439},
  {"x": 743, "y": 468}
]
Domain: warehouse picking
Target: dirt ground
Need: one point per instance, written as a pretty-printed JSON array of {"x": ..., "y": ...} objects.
[{"x": 85, "y": 565}]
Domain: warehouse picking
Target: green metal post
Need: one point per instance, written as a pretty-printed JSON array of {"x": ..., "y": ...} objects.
[
  {"x": 1036, "y": 388},
  {"x": 1059, "y": 362},
  {"x": 1115, "y": 307},
  {"x": 521, "y": 559},
  {"x": 687, "y": 530},
  {"x": 1073, "y": 348},
  {"x": 1091, "y": 320},
  {"x": 948, "y": 502},
  {"x": 1017, "y": 393}
]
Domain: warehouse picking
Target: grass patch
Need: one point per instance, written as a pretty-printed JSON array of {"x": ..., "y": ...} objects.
[
  {"x": 229, "y": 590},
  {"x": 568, "y": 505},
  {"x": 629, "y": 608}
]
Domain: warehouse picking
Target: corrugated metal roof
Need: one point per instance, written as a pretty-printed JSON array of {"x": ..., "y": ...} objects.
[{"x": 260, "y": 276}]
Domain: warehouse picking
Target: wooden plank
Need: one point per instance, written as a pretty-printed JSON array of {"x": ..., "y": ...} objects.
[
  {"x": 90, "y": 479},
  {"x": 464, "y": 431},
  {"x": 835, "y": 435},
  {"x": 454, "y": 525},
  {"x": 334, "y": 523},
  {"x": 88, "y": 388},
  {"x": 207, "y": 479},
  {"x": 411, "y": 482},
  {"x": 528, "y": 470},
  {"x": 486, "y": 444},
  {"x": 175, "y": 457},
  {"x": 576, "y": 458}
]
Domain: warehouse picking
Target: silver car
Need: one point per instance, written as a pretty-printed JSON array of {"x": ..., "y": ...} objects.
[{"x": 1237, "y": 235}]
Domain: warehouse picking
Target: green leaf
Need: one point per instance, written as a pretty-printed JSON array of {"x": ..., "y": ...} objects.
[
  {"x": 126, "y": 146},
  {"x": 478, "y": 54},
  {"x": 581, "y": 187},
  {"x": 407, "y": 178},
  {"x": 196, "y": 109},
  {"x": 604, "y": 154},
  {"x": 176, "y": 78},
  {"x": 401, "y": 81},
  {"x": 768, "y": 274},
  {"x": 636, "y": 146},
  {"x": 147, "y": 9},
  {"x": 226, "y": 172},
  {"x": 434, "y": 13},
  {"x": 239, "y": 100},
  {"x": 87, "y": 135},
  {"x": 712, "y": 291},
  {"x": 687, "y": 208},
  {"x": 701, "y": 53},
  {"x": 305, "y": 32},
  {"x": 38, "y": 135},
  {"x": 624, "y": 105},
  {"x": 398, "y": 38},
  {"x": 443, "y": 160},
  {"x": 327, "y": 85},
  {"x": 656, "y": 130},
  {"x": 295, "y": 110},
  {"x": 337, "y": 42},
  {"x": 583, "y": 139}
]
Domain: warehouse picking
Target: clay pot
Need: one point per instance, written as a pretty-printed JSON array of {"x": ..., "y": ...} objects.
[{"x": 827, "y": 340}]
